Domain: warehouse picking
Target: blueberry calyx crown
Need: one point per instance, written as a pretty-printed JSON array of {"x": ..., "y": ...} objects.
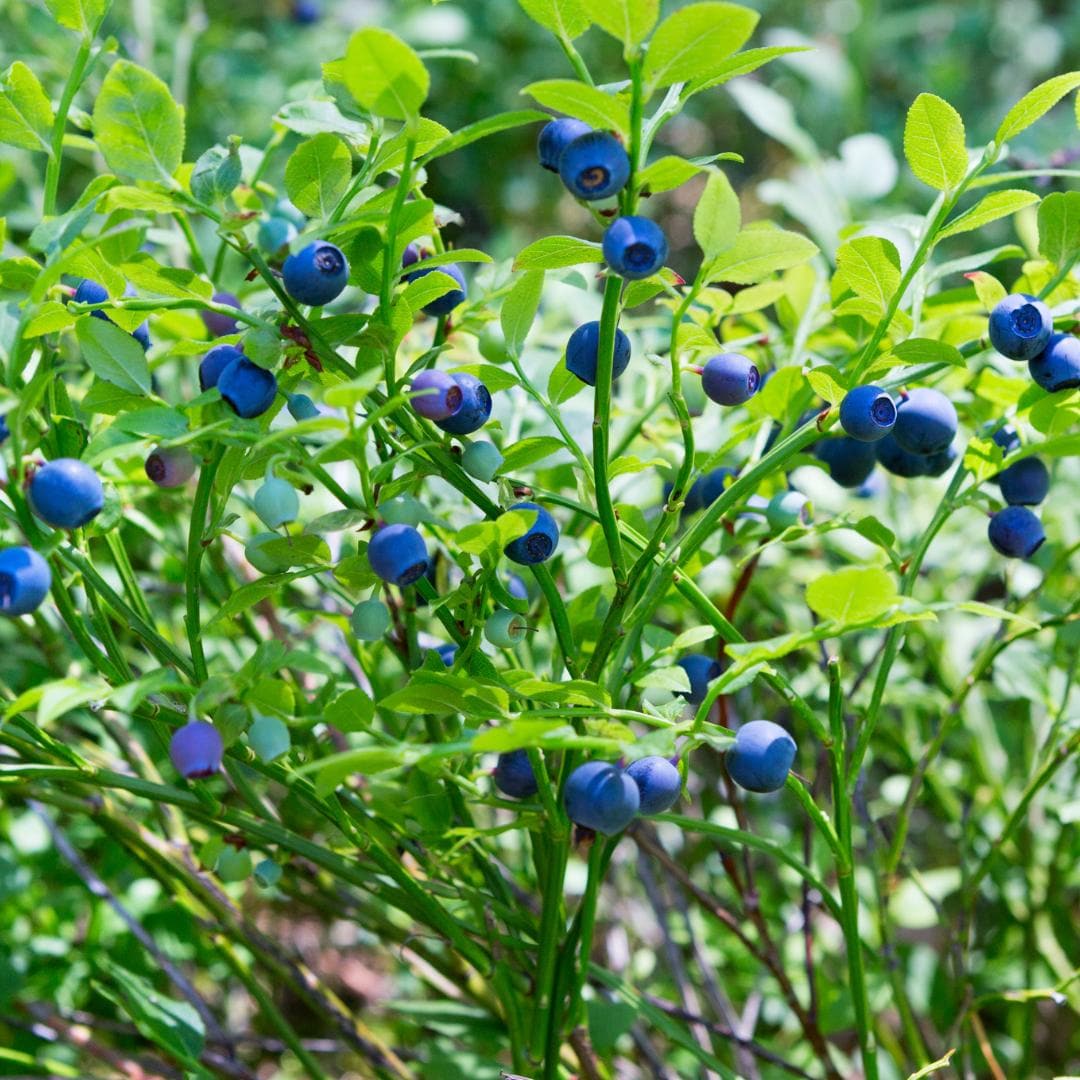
[
  {"x": 328, "y": 260},
  {"x": 539, "y": 546},
  {"x": 883, "y": 411},
  {"x": 1026, "y": 320}
]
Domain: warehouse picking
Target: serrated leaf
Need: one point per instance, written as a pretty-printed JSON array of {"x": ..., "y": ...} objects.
[
  {"x": 692, "y": 42},
  {"x": 564, "y": 18},
  {"x": 1059, "y": 226},
  {"x": 756, "y": 253},
  {"x": 317, "y": 174},
  {"x": 113, "y": 355},
  {"x": 384, "y": 75},
  {"x": 1035, "y": 103},
  {"x": 519, "y": 309},
  {"x": 997, "y": 204},
  {"x": 628, "y": 20},
  {"x": 137, "y": 125},
  {"x": 26, "y": 116},
  {"x": 718, "y": 216},
  {"x": 870, "y": 267},
  {"x": 555, "y": 252},
  {"x": 934, "y": 142},
  {"x": 852, "y": 595},
  {"x": 584, "y": 102}
]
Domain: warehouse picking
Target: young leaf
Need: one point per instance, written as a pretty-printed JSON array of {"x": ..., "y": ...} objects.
[
  {"x": 83, "y": 16},
  {"x": 519, "y": 309},
  {"x": 491, "y": 125},
  {"x": 870, "y": 267},
  {"x": 554, "y": 252},
  {"x": 693, "y": 41},
  {"x": 667, "y": 173},
  {"x": 317, "y": 174},
  {"x": 628, "y": 20},
  {"x": 564, "y": 18},
  {"x": 1059, "y": 226},
  {"x": 26, "y": 117},
  {"x": 384, "y": 75},
  {"x": 756, "y": 253},
  {"x": 997, "y": 204},
  {"x": 988, "y": 289},
  {"x": 741, "y": 64},
  {"x": 934, "y": 142},
  {"x": 113, "y": 355},
  {"x": 582, "y": 102},
  {"x": 216, "y": 174},
  {"x": 137, "y": 125},
  {"x": 852, "y": 595},
  {"x": 717, "y": 218},
  {"x": 928, "y": 351},
  {"x": 1035, "y": 103}
]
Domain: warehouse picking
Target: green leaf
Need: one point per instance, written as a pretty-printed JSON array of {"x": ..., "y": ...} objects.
[
  {"x": 870, "y": 267},
  {"x": 519, "y": 309},
  {"x": 672, "y": 678},
  {"x": 423, "y": 290},
  {"x": 149, "y": 276},
  {"x": 50, "y": 317},
  {"x": 628, "y": 20},
  {"x": 84, "y": 16},
  {"x": 757, "y": 253},
  {"x": 555, "y": 252},
  {"x": 742, "y": 64},
  {"x": 216, "y": 174},
  {"x": 529, "y": 451},
  {"x": 583, "y": 102},
  {"x": 157, "y": 421},
  {"x": 564, "y": 18},
  {"x": 988, "y": 289},
  {"x": 384, "y": 75},
  {"x": 490, "y": 537},
  {"x": 852, "y": 595},
  {"x": 137, "y": 125},
  {"x": 934, "y": 142},
  {"x": 491, "y": 125},
  {"x": 997, "y": 204},
  {"x": 717, "y": 217},
  {"x": 317, "y": 174},
  {"x": 1035, "y": 103},
  {"x": 928, "y": 351},
  {"x": 113, "y": 355},
  {"x": 692, "y": 42},
  {"x": 26, "y": 117},
  {"x": 667, "y": 173},
  {"x": 1059, "y": 226},
  {"x": 351, "y": 711}
]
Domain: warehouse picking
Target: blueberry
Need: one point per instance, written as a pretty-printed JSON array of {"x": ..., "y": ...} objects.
[
  {"x": 25, "y": 579},
  {"x": 370, "y": 619},
  {"x": 925, "y": 421},
  {"x": 848, "y": 460},
  {"x": 601, "y": 797},
  {"x": 246, "y": 388},
  {"x": 215, "y": 362},
  {"x": 514, "y": 775},
  {"x": 504, "y": 629},
  {"x": 301, "y": 407},
  {"x": 276, "y": 502},
  {"x": 306, "y": 12},
  {"x": 705, "y": 490},
  {"x": 446, "y": 303},
  {"x": 5, "y": 431},
  {"x": 398, "y": 554},
  {"x": 92, "y": 292},
  {"x": 170, "y": 466},
  {"x": 867, "y": 413},
  {"x": 447, "y": 653},
  {"x": 539, "y": 543},
  {"x": 219, "y": 325},
  {"x": 1007, "y": 438},
  {"x": 261, "y": 560},
  {"x": 700, "y": 670},
  {"x": 1020, "y": 326},
  {"x": 892, "y": 457},
  {"x": 761, "y": 756},
  {"x": 516, "y": 587},
  {"x": 1057, "y": 367},
  {"x": 66, "y": 493},
  {"x": 269, "y": 738},
  {"x": 438, "y": 397},
  {"x": 482, "y": 460},
  {"x": 788, "y": 508},
  {"x": 1024, "y": 483},
  {"x": 730, "y": 378},
  {"x": 196, "y": 750},
  {"x": 555, "y": 137},
  {"x": 401, "y": 510},
  {"x": 232, "y": 865},
  {"x": 594, "y": 165},
  {"x": 475, "y": 406},
  {"x": 583, "y": 349},
  {"x": 940, "y": 463},
  {"x": 1016, "y": 532},
  {"x": 635, "y": 247},
  {"x": 275, "y": 235},
  {"x": 658, "y": 783},
  {"x": 317, "y": 274},
  {"x": 410, "y": 255}
]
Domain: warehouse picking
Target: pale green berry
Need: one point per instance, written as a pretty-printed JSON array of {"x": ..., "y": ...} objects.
[
  {"x": 788, "y": 508},
  {"x": 233, "y": 865},
  {"x": 370, "y": 619},
  {"x": 482, "y": 460},
  {"x": 504, "y": 628}
]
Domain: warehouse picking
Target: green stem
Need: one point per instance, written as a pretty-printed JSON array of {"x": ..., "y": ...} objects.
[
  {"x": 56, "y": 151},
  {"x": 192, "y": 583}
]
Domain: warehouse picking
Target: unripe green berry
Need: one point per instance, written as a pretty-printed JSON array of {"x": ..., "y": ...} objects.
[
  {"x": 788, "y": 508},
  {"x": 482, "y": 460},
  {"x": 233, "y": 865},
  {"x": 269, "y": 738},
  {"x": 276, "y": 502},
  {"x": 504, "y": 628},
  {"x": 370, "y": 619},
  {"x": 267, "y": 873},
  {"x": 493, "y": 344},
  {"x": 401, "y": 510}
]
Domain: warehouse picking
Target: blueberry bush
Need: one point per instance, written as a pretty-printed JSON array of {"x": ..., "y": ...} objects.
[{"x": 647, "y": 652}]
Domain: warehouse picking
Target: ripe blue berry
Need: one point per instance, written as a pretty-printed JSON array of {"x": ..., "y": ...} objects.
[
  {"x": 260, "y": 559},
  {"x": 196, "y": 750},
  {"x": 1057, "y": 367},
  {"x": 893, "y": 458},
  {"x": 215, "y": 362},
  {"x": 583, "y": 348},
  {"x": 276, "y": 502},
  {"x": 1024, "y": 483},
  {"x": 539, "y": 543},
  {"x": 715, "y": 484},
  {"x": 867, "y": 413},
  {"x": 514, "y": 775},
  {"x": 317, "y": 274},
  {"x": 91, "y": 292},
  {"x": 246, "y": 388},
  {"x": 410, "y": 255},
  {"x": 940, "y": 463},
  {"x": 170, "y": 466},
  {"x": 555, "y": 137},
  {"x": 66, "y": 493},
  {"x": 301, "y": 407},
  {"x": 516, "y": 587},
  {"x": 306, "y": 12},
  {"x": 594, "y": 166},
  {"x": 700, "y": 670},
  {"x": 398, "y": 554},
  {"x": 474, "y": 410},
  {"x": 482, "y": 460},
  {"x": 1020, "y": 326},
  {"x": 601, "y": 797},
  {"x": 926, "y": 421},
  {"x": 447, "y": 653},
  {"x": 761, "y": 756},
  {"x": 438, "y": 397},
  {"x": 269, "y": 738},
  {"x": 635, "y": 247},
  {"x": 788, "y": 508},
  {"x": 5, "y": 431},
  {"x": 370, "y": 619},
  {"x": 730, "y": 378},
  {"x": 1008, "y": 439},
  {"x": 25, "y": 579},
  {"x": 504, "y": 629},
  {"x": 275, "y": 235},
  {"x": 658, "y": 783},
  {"x": 219, "y": 325},
  {"x": 848, "y": 460},
  {"x": 446, "y": 303},
  {"x": 1016, "y": 532}
]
